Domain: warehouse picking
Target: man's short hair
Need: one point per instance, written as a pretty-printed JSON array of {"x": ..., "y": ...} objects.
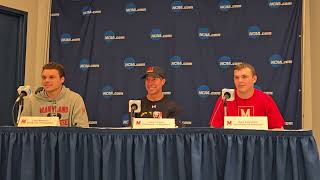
[
  {"x": 245, "y": 65},
  {"x": 54, "y": 65}
]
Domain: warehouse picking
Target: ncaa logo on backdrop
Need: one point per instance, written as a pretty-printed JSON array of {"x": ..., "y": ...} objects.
[
  {"x": 131, "y": 8},
  {"x": 125, "y": 119},
  {"x": 255, "y": 32},
  {"x": 176, "y": 62},
  {"x": 204, "y": 92},
  {"x": 276, "y": 61},
  {"x": 204, "y": 33},
  {"x": 55, "y": 14},
  {"x": 224, "y": 62},
  {"x": 260, "y": 88},
  {"x": 279, "y": 3},
  {"x": 108, "y": 92},
  {"x": 288, "y": 123},
  {"x": 85, "y": 64},
  {"x": 178, "y": 6},
  {"x": 87, "y": 10},
  {"x": 110, "y": 36},
  {"x": 157, "y": 35},
  {"x": 129, "y": 63},
  {"x": 225, "y": 5},
  {"x": 66, "y": 38}
]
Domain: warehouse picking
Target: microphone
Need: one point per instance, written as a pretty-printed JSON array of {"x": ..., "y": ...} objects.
[
  {"x": 38, "y": 90},
  {"x": 227, "y": 94},
  {"x": 23, "y": 91},
  {"x": 135, "y": 106}
]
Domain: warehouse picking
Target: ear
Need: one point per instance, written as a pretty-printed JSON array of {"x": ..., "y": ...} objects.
[
  {"x": 163, "y": 81},
  {"x": 62, "y": 80},
  {"x": 255, "y": 78}
]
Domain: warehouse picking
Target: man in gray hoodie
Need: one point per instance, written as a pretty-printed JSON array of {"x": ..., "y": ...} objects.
[{"x": 54, "y": 99}]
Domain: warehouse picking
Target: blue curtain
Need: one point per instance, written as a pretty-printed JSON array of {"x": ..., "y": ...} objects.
[{"x": 106, "y": 45}]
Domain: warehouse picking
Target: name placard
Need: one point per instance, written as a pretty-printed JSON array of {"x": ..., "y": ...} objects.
[
  {"x": 246, "y": 122},
  {"x": 38, "y": 121},
  {"x": 152, "y": 123}
]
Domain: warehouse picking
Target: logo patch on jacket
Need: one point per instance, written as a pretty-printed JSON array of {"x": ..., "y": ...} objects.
[
  {"x": 246, "y": 110},
  {"x": 51, "y": 108}
]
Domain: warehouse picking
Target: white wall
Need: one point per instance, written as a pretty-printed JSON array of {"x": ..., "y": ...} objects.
[
  {"x": 37, "y": 35},
  {"x": 313, "y": 27}
]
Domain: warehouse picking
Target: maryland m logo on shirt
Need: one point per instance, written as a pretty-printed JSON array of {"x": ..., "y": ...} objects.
[{"x": 245, "y": 110}]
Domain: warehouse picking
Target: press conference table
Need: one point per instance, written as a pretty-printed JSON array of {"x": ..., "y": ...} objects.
[{"x": 159, "y": 154}]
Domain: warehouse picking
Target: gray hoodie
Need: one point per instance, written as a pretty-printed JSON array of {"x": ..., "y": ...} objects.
[{"x": 68, "y": 106}]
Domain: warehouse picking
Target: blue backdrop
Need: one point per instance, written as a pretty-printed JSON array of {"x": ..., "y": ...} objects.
[{"x": 105, "y": 46}]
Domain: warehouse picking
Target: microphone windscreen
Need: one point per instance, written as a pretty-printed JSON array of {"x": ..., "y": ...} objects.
[
  {"x": 39, "y": 89},
  {"x": 227, "y": 95},
  {"x": 134, "y": 106}
]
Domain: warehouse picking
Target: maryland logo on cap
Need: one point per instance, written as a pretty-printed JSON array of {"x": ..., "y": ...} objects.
[
  {"x": 154, "y": 71},
  {"x": 150, "y": 69}
]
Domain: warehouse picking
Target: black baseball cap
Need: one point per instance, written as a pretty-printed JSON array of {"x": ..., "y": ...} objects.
[{"x": 154, "y": 71}]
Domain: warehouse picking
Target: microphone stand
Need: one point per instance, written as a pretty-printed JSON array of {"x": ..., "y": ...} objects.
[
  {"x": 225, "y": 107},
  {"x": 16, "y": 121},
  {"x": 131, "y": 117},
  {"x": 225, "y": 97},
  {"x": 20, "y": 101},
  {"x": 19, "y": 112}
]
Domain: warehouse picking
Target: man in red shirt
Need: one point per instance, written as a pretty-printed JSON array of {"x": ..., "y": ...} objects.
[{"x": 248, "y": 100}]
